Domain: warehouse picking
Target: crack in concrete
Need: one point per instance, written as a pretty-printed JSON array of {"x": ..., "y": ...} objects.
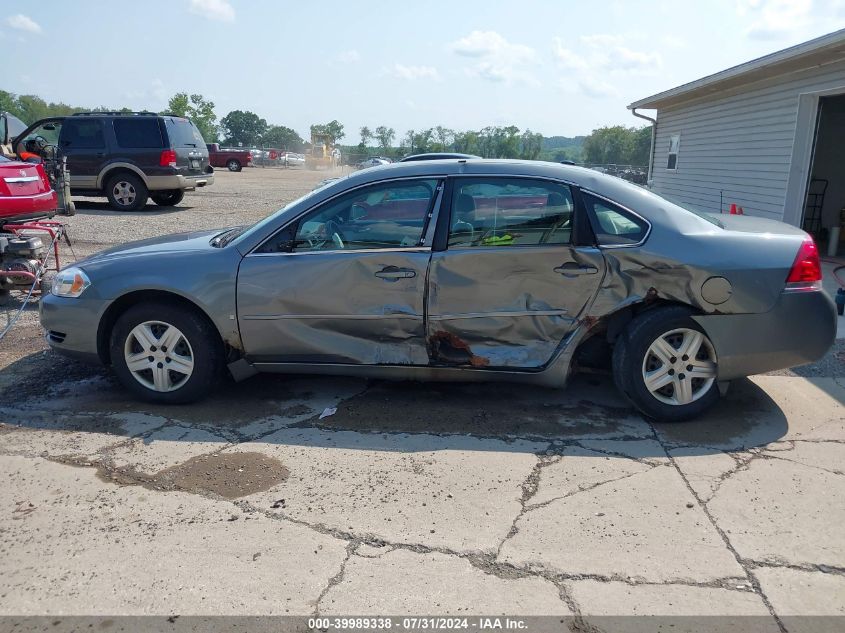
[
  {"x": 752, "y": 579},
  {"x": 529, "y": 489},
  {"x": 486, "y": 562},
  {"x": 792, "y": 461},
  {"x": 351, "y": 548},
  {"x": 831, "y": 570},
  {"x": 543, "y": 504},
  {"x": 742, "y": 463}
]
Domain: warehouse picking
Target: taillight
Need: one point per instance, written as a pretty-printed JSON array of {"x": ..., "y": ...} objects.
[
  {"x": 44, "y": 180},
  {"x": 168, "y": 158},
  {"x": 807, "y": 269}
]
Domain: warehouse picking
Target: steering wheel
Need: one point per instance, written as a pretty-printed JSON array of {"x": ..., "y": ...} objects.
[
  {"x": 333, "y": 229},
  {"x": 330, "y": 231}
]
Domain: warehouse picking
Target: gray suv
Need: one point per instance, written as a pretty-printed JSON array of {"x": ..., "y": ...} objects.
[{"x": 126, "y": 157}]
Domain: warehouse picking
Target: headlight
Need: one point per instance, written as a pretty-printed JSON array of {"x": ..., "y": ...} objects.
[{"x": 71, "y": 282}]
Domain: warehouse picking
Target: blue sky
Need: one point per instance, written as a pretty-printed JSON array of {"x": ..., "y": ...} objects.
[{"x": 554, "y": 67}]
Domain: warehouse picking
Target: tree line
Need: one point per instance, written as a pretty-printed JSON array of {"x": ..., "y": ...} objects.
[{"x": 606, "y": 145}]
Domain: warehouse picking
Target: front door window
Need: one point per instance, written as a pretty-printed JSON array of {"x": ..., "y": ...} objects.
[{"x": 386, "y": 216}]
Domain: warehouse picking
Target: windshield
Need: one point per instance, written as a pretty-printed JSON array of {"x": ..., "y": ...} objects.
[
  {"x": 10, "y": 127},
  {"x": 246, "y": 231}
]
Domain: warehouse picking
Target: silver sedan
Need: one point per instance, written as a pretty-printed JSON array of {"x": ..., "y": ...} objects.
[{"x": 457, "y": 270}]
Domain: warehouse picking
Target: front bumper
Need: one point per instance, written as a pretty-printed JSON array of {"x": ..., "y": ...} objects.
[
  {"x": 178, "y": 181},
  {"x": 799, "y": 329},
  {"x": 71, "y": 325}
]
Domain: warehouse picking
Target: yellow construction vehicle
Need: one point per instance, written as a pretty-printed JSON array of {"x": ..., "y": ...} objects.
[{"x": 321, "y": 153}]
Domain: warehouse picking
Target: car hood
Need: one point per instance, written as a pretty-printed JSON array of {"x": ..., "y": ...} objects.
[{"x": 157, "y": 246}]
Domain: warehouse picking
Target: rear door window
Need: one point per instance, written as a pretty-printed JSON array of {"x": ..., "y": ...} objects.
[
  {"x": 488, "y": 212},
  {"x": 183, "y": 133},
  {"x": 138, "y": 133}
]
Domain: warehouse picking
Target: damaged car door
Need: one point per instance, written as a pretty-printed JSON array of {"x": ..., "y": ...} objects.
[
  {"x": 344, "y": 282},
  {"x": 511, "y": 282}
]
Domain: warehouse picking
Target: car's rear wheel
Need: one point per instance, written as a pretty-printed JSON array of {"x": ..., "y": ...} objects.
[
  {"x": 168, "y": 198},
  {"x": 166, "y": 354},
  {"x": 666, "y": 365},
  {"x": 233, "y": 165},
  {"x": 126, "y": 192}
]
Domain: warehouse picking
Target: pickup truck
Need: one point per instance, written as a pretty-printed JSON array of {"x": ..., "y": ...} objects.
[{"x": 231, "y": 159}]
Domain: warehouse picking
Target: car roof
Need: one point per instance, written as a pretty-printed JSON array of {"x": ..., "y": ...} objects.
[{"x": 436, "y": 156}]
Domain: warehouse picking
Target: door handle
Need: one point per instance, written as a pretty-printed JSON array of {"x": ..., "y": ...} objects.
[
  {"x": 570, "y": 269},
  {"x": 393, "y": 273}
]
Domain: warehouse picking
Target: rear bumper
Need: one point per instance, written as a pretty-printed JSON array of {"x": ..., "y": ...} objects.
[
  {"x": 800, "y": 329},
  {"x": 12, "y": 206},
  {"x": 178, "y": 181}
]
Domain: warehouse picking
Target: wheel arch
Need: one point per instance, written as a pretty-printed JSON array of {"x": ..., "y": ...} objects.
[
  {"x": 123, "y": 303},
  {"x": 115, "y": 168},
  {"x": 594, "y": 348}
]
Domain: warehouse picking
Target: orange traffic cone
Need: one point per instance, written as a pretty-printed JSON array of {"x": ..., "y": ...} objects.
[{"x": 733, "y": 208}]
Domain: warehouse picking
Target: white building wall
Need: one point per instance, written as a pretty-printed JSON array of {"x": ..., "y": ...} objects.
[{"x": 738, "y": 143}]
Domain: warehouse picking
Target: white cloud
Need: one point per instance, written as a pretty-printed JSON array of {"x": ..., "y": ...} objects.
[
  {"x": 605, "y": 53},
  {"x": 22, "y": 22},
  {"x": 348, "y": 57},
  {"x": 598, "y": 57},
  {"x": 219, "y": 10},
  {"x": 596, "y": 88},
  {"x": 566, "y": 58},
  {"x": 498, "y": 59},
  {"x": 775, "y": 19},
  {"x": 624, "y": 58},
  {"x": 400, "y": 71}
]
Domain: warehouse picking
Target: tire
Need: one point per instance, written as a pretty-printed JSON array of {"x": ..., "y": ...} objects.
[
  {"x": 168, "y": 198},
  {"x": 126, "y": 192},
  {"x": 233, "y": 165},
  {"x": 652, "y": 347},
  {"x": 195, "y": 364}
]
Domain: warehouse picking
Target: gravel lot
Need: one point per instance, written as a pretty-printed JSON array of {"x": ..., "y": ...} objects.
[{"x": 411, "y": 498}]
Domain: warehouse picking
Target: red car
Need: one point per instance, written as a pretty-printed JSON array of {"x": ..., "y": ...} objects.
[
  {"x": 25, "y": 192},
  {"x": 231, "y": 159}
]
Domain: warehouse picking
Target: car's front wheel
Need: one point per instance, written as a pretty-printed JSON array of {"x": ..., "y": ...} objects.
[
  {"x": 233, "y": 165},
  {"x": 666, "y": 365},
  {"x": 168, "y": 198},
  {"x": 166, "y": 354}
]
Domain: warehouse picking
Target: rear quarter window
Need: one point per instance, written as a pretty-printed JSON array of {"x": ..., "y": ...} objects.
[
  {"x": 613, "y": 225},
  {"x": 138, "y": 133}
]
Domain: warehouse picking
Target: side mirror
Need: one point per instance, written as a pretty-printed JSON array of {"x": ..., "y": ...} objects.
[{"x": 50, "y": 126}]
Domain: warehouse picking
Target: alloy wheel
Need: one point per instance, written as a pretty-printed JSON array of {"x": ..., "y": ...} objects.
[
  {"x": 679, "y": 366},
  {"x": 124, "y": 192},
  {"x": 159, "y": 356}
]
